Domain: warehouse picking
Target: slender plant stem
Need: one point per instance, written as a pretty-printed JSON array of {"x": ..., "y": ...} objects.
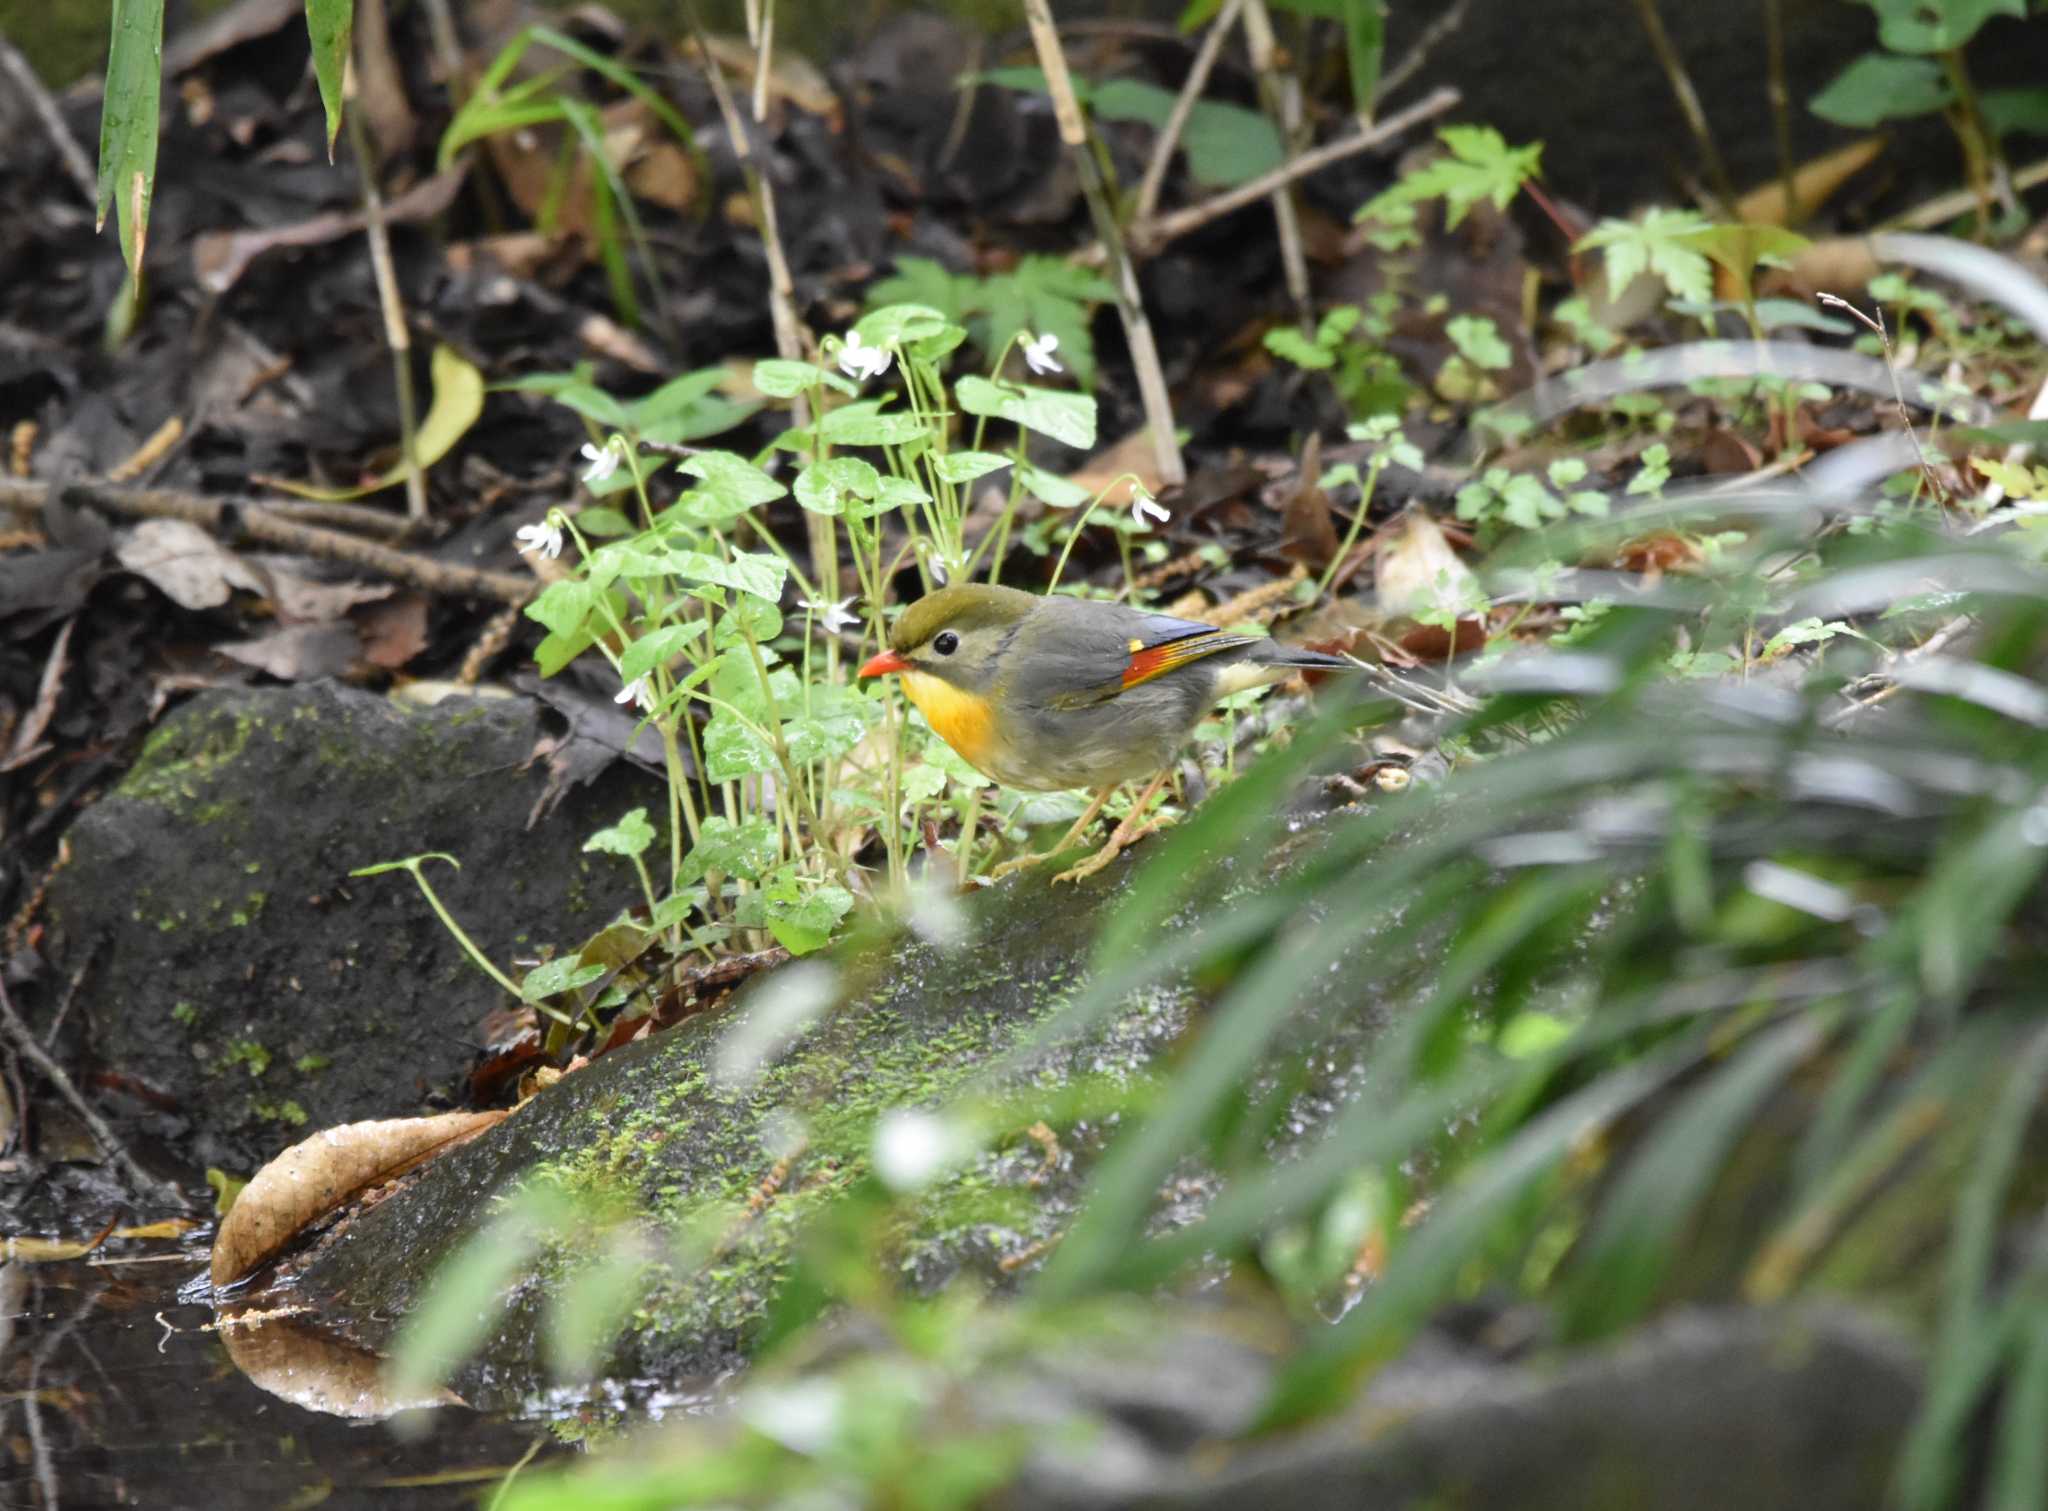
[
  {"x": 396, "y": 335},
  {"x": 1780, "y": 93},
  {"x": 1280, "y": 97},
  {"x": 1688, "y": 99}
]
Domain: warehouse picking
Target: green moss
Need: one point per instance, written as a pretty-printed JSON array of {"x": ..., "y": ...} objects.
[
  {"x": 247, "y": 1052},
  {"x": 311, "y": 1064},
  {"x": 177, "y": 757},
  {"x": 287, "y": 1112},
  {"x": 186, "y": 1013}
]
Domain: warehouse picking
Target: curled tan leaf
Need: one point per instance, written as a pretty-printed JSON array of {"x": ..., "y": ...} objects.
[{"x": 318, "y": 1174}]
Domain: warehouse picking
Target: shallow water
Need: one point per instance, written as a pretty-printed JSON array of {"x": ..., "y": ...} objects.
[{"x": 115, "y": 1395}]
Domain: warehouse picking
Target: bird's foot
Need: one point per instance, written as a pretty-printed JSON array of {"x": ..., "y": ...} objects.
[
  {"x": 1021, "y": 863},
  {"x": 1124, "y": 835}
]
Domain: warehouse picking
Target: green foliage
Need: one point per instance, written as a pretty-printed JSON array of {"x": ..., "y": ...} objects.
[
  {"x": 1226, "y": 145},
  {"x": 128, "y": 123},
  {"x": 1349, "y": 345},
  {"x": 1659, "y": 243},
  {"x": 329, "y": 25},
  {"x": 1479, "y": 165},
  {"x": 496, "y": 105},
  {"x": 1042, "y": 294}
]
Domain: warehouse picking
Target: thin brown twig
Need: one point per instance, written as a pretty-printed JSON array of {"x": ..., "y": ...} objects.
[
  {"x": 1688, "y": 98},
  {"x": 76, "y": 166},
  {"x": 32, "y": 1050},
  {"x": 1148, "y": 239},
  {"x": 255, "y": 520},
  {"x": 1183, "y": 106},
  {"x": 1280, "y": 97},
  {"x": 1884, "y": 338},
  {"x": 1432, "y": 35},
  {"x": 1780, "y": 95}
]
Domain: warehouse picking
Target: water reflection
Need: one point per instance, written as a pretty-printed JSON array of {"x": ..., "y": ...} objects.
[{"x": 114, "y": 1395}]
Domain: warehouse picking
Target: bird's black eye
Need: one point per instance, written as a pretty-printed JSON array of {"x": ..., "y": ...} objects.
[{"x": 945, "y": 642}]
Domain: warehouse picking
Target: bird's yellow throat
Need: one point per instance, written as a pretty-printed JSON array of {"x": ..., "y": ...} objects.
[{"x": 963, "y": 720}]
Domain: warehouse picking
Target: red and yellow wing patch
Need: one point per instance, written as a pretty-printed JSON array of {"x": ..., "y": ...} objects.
[{"x": 1149, "y": 661}]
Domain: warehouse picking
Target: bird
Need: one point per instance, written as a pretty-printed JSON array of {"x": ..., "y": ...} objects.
[{"x": 1051, "y": 692}]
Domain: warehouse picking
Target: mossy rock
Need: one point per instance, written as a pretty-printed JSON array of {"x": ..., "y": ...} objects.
[
  {"x": 651, "y": 1131},
  {"x": 230, "y": 963}
]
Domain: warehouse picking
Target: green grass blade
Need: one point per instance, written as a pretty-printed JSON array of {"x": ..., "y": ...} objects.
[
  {"x": 1632, "y": 1240},
  {"x": 128, "y": 122},
  {"x": 1425, "y": 1268},
  {"x": 330, "y": 23}
]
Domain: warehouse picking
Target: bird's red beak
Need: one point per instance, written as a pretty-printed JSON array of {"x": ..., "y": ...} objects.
[{"x": 882, "y": 665}]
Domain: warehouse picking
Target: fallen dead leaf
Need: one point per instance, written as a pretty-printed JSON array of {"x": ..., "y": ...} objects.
[
  {"x": 1417, "y": 572},
  {"x": 299, "y": 652},
  {"x": 184, "y": 563},
  {"x": 316, "y": 1175},
  {"x": 1814, "y": 182},
  {"x": 1134, "y": 454}
]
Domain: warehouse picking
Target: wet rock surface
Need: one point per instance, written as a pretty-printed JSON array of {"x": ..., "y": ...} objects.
[
  {"x": 232, "y": 967},
  {"x": 743, "y": 1167}
]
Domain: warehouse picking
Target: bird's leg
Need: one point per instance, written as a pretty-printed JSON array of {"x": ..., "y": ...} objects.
[
  {"x": 1129, "y": 832},
  {"x": 1025, "y": 862}
]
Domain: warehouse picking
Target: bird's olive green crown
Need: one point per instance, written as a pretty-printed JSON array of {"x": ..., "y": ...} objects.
[{"x": 968, "y": 607}]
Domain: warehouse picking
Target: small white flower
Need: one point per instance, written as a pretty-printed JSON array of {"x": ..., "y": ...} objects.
[
  {"x": 1038, "y": 353},
  {"x": 604, "y": 461},
  {"x": 545, "y": 537},
  {"x": 639, "y": 691},
  {"x": 833, "y": 616},
  {"x": 859, "y": 361},
  {"x": 1143, "y": 504},
  {"x": 937, "y": 564}
]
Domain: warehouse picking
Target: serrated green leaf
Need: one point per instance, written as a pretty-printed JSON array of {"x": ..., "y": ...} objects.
[
  {"x": 658, "y": 648},
  {"x": 746, "y": 850},
  {"x": 553, "y": 977},
  {"x": 828, "y": 487},
  {"x": 744, "y": 572},
  {"x": 631, "y": 835},
  {"x": 900, "y": 325},
  {"x": 865, "y": 424},
  {"x": 780, "y": 378},
  {"x": 563, "y": 606},
  {"x": 966, "y": 466},
  {"x": 1050, "y": 488},
  {"x": 1655, "y": 244},
  {"x": 731, "y": 483},
  {"x": 1065, "y": 417}
]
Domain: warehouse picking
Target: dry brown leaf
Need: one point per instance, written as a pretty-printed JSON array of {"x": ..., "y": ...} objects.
[
  {"x": 394, "y": 631},
  {"x": 1839, "y": 265},
  {"x": 1134, "y": 454},
  {"x": 184, "y": 563},
  {"x": 318, "y": 1174},
  {"x": 1417, "y": 572},
  {"x": 299, "y": 652},
  {"x": 1814, "y": 181}
]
